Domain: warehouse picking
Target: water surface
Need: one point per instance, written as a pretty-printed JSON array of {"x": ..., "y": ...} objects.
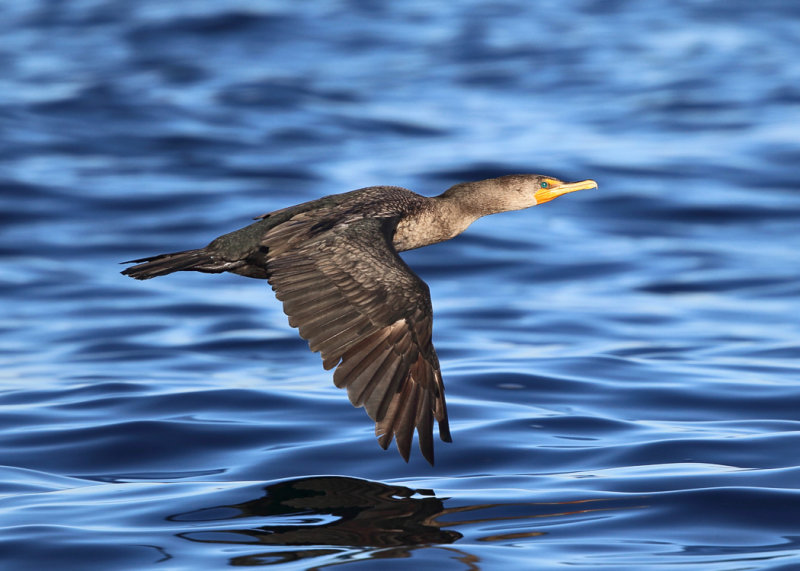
[{"x": 621, "y": 365}]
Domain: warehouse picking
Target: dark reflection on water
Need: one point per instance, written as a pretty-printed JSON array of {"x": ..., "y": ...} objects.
[
  {"x": 330, "y": 511},
  {"x": 621, "y": 365},
  {"x": 371, "y": 520}
]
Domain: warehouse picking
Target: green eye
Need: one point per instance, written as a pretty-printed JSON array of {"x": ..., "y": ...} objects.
[{"x": 544, "y": 184}]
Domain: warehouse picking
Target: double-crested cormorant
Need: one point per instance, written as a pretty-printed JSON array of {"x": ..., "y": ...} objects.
[{"x": 333, "y": 263}]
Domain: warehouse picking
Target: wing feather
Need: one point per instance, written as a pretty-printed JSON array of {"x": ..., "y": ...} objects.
[{"x": 357, "y": 303}]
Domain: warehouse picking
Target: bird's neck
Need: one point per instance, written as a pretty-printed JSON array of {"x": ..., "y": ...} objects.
[{"x": 438, "y": 219}]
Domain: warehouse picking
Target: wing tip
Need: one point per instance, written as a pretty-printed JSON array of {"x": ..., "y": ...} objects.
[
  {"x": 427, "y": 454},
  {"x": 444, "y": 431},
  {"x": 405, "y": 452}
]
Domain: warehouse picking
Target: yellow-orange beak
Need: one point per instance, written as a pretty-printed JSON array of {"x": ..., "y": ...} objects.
[{"x": 556, "y": 188}]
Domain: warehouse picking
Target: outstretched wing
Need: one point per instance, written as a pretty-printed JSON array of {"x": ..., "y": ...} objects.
[{"x": 357, "y": 302}]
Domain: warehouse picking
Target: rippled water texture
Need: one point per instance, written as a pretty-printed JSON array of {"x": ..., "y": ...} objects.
[{"x": 621, "y": 364}]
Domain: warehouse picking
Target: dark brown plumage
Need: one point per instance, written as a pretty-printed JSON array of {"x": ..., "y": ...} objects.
[{"x": 333, "y": 263}]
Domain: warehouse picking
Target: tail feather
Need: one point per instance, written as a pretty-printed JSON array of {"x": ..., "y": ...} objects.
[{"x": 164, "y": 264}]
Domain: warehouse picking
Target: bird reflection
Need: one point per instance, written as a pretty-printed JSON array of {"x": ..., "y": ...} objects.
[
  {"x": 334, "y": 519},
  {"x": 329, "y": 511}
]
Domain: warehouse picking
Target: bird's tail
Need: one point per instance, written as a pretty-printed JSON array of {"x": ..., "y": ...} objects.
[{"x": 163, "y": 264}]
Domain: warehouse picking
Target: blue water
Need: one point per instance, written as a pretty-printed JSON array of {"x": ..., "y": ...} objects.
[{"x": 622, "y": 365}]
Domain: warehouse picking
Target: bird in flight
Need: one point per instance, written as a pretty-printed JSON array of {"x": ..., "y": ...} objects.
[{"x": 334, "y": 264}]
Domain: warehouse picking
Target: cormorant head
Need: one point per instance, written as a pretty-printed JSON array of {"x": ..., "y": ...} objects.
[{"x": 510, "y": 192}]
